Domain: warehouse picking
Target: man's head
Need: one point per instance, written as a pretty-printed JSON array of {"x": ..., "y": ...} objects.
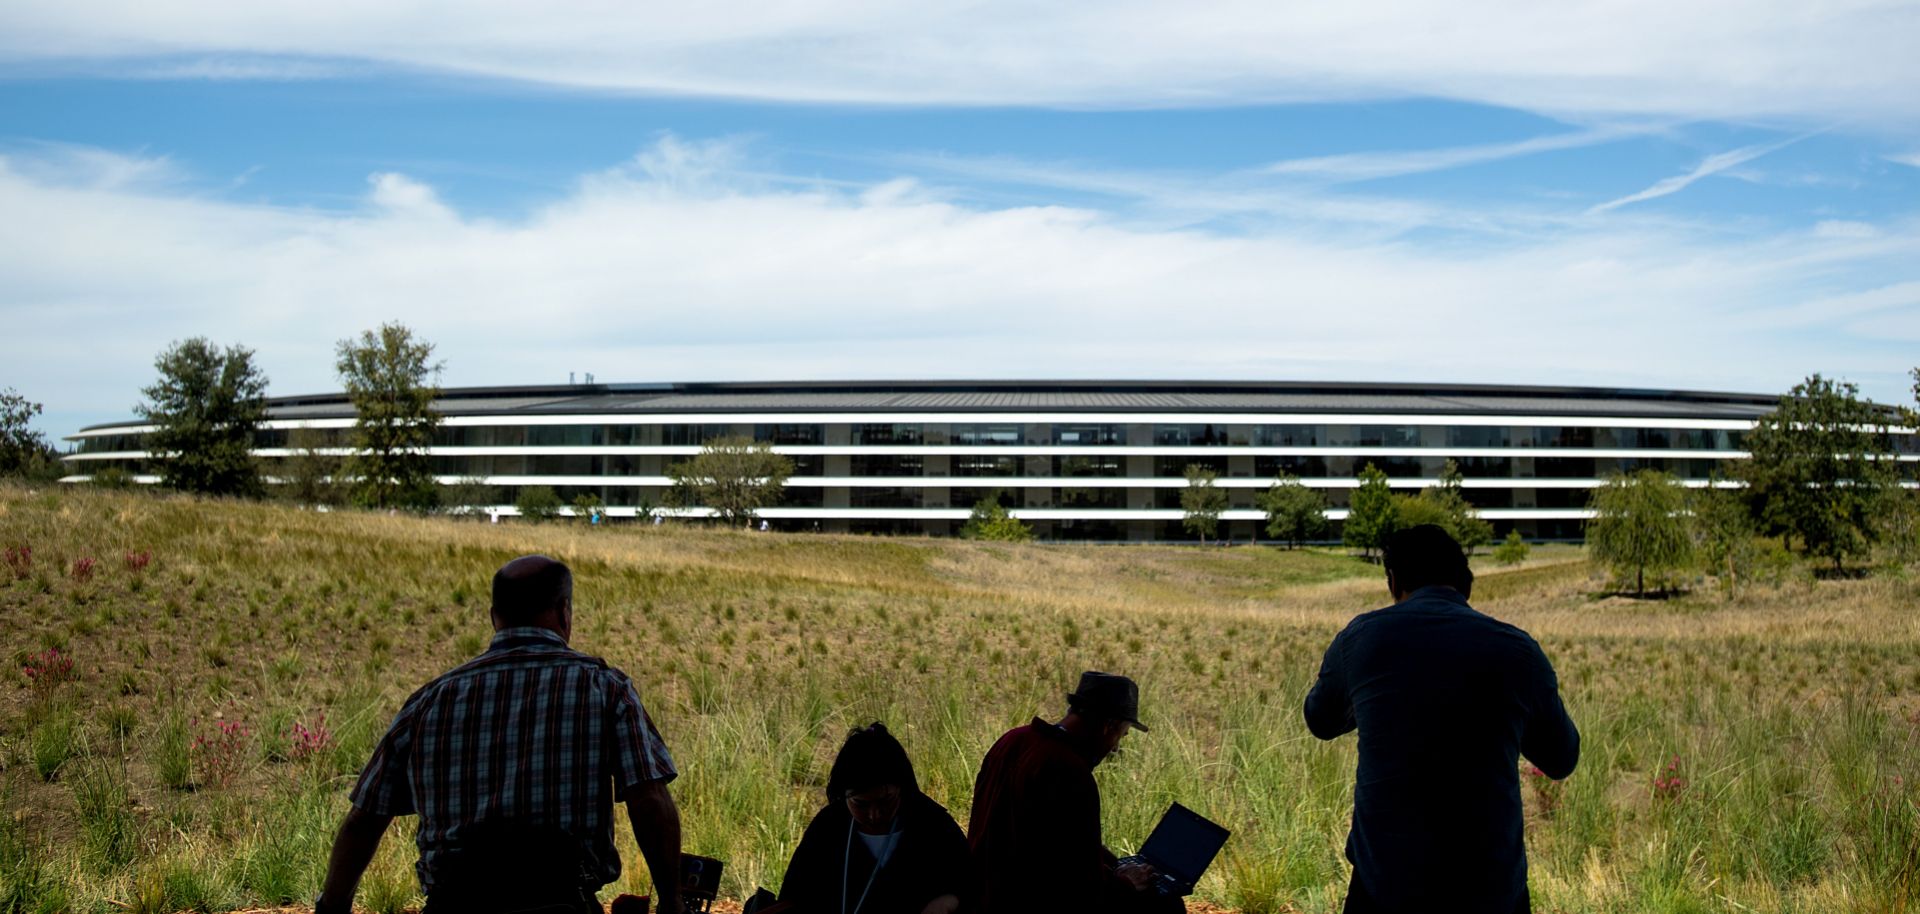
[
  {"x": 1102, "y": 711},
  {"x": 1425, "y": 556},
  {"x": 533, "y": 590}
]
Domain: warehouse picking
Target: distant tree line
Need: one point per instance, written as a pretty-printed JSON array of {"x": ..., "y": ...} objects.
[{"x": 1822, "y": 477}]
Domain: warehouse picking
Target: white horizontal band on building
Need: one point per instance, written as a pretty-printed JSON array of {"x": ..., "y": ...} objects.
[{"x": 1534, "y": 477}]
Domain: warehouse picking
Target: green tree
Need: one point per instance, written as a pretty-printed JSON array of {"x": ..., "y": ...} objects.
[
  {"x": 469, "y": 495},
  {"x": 1724, "y": 535},
  {"x": 1512, "y": 550},
  {"x": 23, "y": 451},
  {"x": 1639, "y": 527},
  {"x": 537, "y": 503},
  {"x": 388, "y": 375},
  {"x": 1295, "y": 513},
  {"x": 1816, "y": 466},
  {"x": 311, "y": 474},
  {"x": 1371, "y": 515},
  {"x": 1415, "y": 510},
  {"x": 989, "y": 520},
  {"x": 735, "y": 476},
  {"x": 1463, "y": 522},
  {"x": 1201, "y": 502},
  {"x": 205, "y": 408}
]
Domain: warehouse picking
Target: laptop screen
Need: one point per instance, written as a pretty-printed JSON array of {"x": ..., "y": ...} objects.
[{"x": 1183, "y": 845}]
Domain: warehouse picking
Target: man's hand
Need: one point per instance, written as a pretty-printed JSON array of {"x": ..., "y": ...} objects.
[
  {"x": 656, "y": 828},
  {"x": 1138, "y": 875},
  {"x": 353, "y": 849}
]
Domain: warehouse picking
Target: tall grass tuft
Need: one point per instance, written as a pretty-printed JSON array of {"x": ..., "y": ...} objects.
[
  {"x": 110, "y": 831},
  {"x": 173, "y": 753},
  {"x": 54, "y": 743}
]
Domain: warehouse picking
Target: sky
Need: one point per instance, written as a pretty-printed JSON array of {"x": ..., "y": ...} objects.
[{"x": 1706, "y": 195}]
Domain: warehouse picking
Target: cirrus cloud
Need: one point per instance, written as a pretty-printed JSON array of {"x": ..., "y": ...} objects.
[{"x": 1717, "y": 59}]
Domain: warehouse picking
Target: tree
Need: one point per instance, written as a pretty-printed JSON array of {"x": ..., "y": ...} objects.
[
  {"x": 23, "y": 451},
  {"x": 1463, "y": 522},
  {"x": 989, "y": 520},
  {"x": 537, "y": 503},
  {"x": 205, "y": 409},
  {"x": 1724, "y": 535},
  {"x": 387, "y": 376},
  {"x": 1444, "y": 505},
  {"x": 734, "y": 476},
  {"x": 1816, "y": 466},
  {"x": 1295, "y": 513},
  {"x": 311, "y": 474},
  {"x": 1512, "y": 550},
  {"x": 469, "y": 495},
  {"x": 1201, "y": 502},
  {"x": 1371, "y": 513},
  {"x": 1639, "y": 526}
]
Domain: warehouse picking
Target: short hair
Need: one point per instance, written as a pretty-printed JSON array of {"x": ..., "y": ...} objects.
[
  {"x": 1424, "y": 556},
  {"x": 523, "y": 590},
  {"x": 870, "y": 757}
]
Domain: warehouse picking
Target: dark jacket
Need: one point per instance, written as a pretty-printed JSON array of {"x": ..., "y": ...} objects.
[
  {"x": 1035, "y": 828},
  {"x": 929, "y": 861},
  {"x": 1445, "y": 700}
]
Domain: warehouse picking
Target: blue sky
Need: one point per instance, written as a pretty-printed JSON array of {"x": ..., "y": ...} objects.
[{"x": 1725, "y": 196}]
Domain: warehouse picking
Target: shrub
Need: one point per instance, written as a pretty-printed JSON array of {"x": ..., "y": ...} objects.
[
  {"x": 990, "y": 521},
  {"x": 1512, "y": 550},
  {"x": 537, "y": 503},
  {"x": 47, "y": 669},
  {"x": 221, "y": 754}
]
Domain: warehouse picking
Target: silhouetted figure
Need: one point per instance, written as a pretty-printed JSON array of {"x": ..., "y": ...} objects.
[
  {"x": 1035, "y": 827},
  {"x": 512, "y": 761},
  {"x": 1445, "y": 700},
  {"x": 879, "y": 846}
]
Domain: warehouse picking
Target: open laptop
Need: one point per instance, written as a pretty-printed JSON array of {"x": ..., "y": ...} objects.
[{"x": 1180, "y": 849}]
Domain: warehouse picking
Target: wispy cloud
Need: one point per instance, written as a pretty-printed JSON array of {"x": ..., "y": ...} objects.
[
  {"x": 1366, "y": 166},
  {"x": 1771, "y": 58},
  {"x": 638, "y": 272},
  {"x": 1911, "y": 158},
  {"x": 1711, "y": 165}
]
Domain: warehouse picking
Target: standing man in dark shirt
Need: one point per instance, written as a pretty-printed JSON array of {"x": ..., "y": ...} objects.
[
  {"x": 1035, "y": 827},
  {"x": 512, "y": 761},
  {"x": 1445, "y": 700}
]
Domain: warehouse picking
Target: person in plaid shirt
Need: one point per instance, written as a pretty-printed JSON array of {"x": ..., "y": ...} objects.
[{"x": 512, "y": 762}]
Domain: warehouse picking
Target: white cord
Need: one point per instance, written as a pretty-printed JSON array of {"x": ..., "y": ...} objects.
[{"x": 846, "y": 864}]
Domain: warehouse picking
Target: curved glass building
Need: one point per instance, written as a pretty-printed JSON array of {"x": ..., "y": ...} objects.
[{"x": 1093, "y": 460}]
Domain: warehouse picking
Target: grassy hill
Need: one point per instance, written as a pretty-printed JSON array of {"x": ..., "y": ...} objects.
[{"x": 167, "y": 771}]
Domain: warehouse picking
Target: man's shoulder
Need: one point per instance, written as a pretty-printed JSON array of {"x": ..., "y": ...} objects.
[{"x": 500, "y": 662}]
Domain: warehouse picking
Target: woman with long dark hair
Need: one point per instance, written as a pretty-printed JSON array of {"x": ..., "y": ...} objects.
[{"x": 879, "y": 846}]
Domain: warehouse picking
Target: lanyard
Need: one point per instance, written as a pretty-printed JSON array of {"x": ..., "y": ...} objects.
[{"x": 880, "y": 860}]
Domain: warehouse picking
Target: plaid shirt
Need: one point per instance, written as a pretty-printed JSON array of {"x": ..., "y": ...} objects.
[{"x": 531, "y": 730}]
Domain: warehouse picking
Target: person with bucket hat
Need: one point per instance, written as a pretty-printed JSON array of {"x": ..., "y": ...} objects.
[{"x": 1034, "y": 831}]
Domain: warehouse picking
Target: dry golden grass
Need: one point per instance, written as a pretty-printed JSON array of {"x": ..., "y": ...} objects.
[{"x": 1793, "y": 710}]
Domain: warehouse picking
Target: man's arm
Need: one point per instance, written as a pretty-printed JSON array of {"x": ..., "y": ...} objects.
[
  {"x": 1329, "y": 706},
  {"x": 1551, "y": 741},
  {"x": 353, "y": 849},
  {"x": 656, "y": 828}
]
